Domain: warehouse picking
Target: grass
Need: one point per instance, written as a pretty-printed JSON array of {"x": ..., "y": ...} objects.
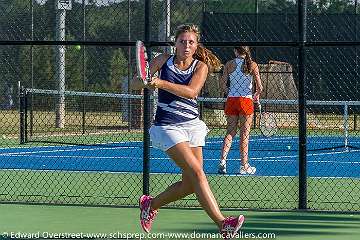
[
  {"x": 100, "y": 127},
  {"x": 109, "y": 127},
  {"x": 45, "y": 121}
]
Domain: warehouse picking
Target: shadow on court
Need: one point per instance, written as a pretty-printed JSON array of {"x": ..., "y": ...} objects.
[{"x": 294, "y": 225}]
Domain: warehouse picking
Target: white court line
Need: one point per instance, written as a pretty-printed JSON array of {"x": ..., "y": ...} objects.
[
  {"x": 253, "y": 140},
  {"x": 279, "y": 176},
  {"x": 259, "y": 159},
  {"x": 271, "y": 159},
  {"x": 267, "y": 159},
  {"x": 308, "y": 155},
  {"x": 67, "y": 145},
  {"x": 70, "y": 156},
  {"x": 74, "y": 171},
  {"x": 64, "y": 150}
]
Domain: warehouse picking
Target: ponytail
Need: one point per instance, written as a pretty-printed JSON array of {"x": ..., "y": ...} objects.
[
  {"x": 247, "y": 66},
  {"x": 205, "y": 55}
]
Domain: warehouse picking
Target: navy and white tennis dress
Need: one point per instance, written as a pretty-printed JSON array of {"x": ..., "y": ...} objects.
[{"x": 177, "y": 118}]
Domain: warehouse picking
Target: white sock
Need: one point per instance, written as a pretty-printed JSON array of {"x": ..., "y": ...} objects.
[{"x": 223, "y": 162}]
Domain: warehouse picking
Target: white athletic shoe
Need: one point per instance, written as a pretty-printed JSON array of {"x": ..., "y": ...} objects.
[
  {"x": 222, "y": 168},
  {"x": 248, "y": 170}
]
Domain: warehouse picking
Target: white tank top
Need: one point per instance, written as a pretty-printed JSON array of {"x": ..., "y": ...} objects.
[{"x": 240, "y": 84}]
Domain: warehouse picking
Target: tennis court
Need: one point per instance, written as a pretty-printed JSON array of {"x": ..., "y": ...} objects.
[
  {"x": 105, "y": 153},
  {"x": 63, "y": 172},
  {"x": 97, "y": 221},
  {"x": 279, "y": 157}
]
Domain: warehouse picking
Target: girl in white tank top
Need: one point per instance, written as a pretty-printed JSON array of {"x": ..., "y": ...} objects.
[
  {"x": 239, "y": 107},
  {"x": 241, "y": 84}
]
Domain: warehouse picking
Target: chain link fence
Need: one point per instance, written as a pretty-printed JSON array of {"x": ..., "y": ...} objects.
[{"x": 72, "y": 129}]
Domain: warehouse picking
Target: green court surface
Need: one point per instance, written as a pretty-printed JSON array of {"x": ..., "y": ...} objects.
[{"x": 45, "y": 220}]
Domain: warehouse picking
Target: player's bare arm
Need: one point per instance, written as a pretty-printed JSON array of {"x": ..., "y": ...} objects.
[
  {"x": 190, "y": 91},
  {"x": 256, "y": 75}
]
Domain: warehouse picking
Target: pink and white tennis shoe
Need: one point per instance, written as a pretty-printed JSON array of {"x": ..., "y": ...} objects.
[
  {"x": 147, "y": 215},
  {"x": 231, "y": 226}
]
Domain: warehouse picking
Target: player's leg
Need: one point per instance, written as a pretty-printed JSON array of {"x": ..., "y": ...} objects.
[
  {"x": 149, "y": 206},
  {"x": 187, "y": 161},
  {"x": 199, "y": 155},
  {"x": 231, "y": 111},
  {"x": 230, "y": 225},
  {"x": 179, "y": 189},
  {"x": 245, "y": 127},
  {"x": 194, "y": 134},
  {"x": 246, "y": 114},
  {"x": 231, "y": 130}
]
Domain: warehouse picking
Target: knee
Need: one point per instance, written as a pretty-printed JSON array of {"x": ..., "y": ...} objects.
[
  {"x": 198, "y": 173},
  {"x": 229, "y": 135}
]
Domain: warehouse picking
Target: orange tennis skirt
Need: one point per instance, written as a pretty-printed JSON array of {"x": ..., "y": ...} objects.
[{"x": 239, "y": 106}]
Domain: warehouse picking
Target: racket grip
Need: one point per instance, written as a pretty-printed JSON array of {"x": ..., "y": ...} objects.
[{"x": 257, "y": 104}]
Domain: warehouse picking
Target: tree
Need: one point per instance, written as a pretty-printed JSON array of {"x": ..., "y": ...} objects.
[
  {"x": 277, "y": 6},
  {"x": 74, "y": 68},
  {"x": 118, "y": 71},
  {"x": 332, "y": 6}
]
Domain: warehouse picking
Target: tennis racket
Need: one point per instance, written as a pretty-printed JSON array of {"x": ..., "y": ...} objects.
[
  {"x": 268, "y": 126},
  {"x": 142, "y": 64}
]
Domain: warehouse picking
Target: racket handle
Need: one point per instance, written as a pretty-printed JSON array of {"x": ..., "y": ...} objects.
[{"x": 257, "y": 105}]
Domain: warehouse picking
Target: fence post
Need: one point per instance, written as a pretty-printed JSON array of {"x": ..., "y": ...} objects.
[
  {"x": 346, "y": 126},
  {"x": 146, "y": 110},
  {"x": 302, "y": 105},
  {"x": 22, "y": 103}
]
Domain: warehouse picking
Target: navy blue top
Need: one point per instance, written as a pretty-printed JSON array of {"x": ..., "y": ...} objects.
[{"x": 173, "y": 109}]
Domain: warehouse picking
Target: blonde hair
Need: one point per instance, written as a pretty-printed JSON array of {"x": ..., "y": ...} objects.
[
  {"x": 247, "y": 66},
  {"x": 203, "y": 54}
]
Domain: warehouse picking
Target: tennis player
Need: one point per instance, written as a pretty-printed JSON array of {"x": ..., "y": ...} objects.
[
  {"x": 239, "y": 106},
  {"x": 177, "y": 129}
]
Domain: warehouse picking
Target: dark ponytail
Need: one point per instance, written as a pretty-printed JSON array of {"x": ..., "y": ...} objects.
[{"x": 247, "y": 66}]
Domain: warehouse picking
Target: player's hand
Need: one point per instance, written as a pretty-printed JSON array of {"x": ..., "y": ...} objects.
[
  {"x": 256, "y": 97},
  {"x": 154, "y": 83}
]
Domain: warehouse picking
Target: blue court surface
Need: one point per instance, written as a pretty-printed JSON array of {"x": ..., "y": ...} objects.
[{"x": 271, "y": 156}]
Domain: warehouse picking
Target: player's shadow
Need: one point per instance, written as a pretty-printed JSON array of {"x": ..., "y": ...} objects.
[{"x": 301, "y": 224}]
